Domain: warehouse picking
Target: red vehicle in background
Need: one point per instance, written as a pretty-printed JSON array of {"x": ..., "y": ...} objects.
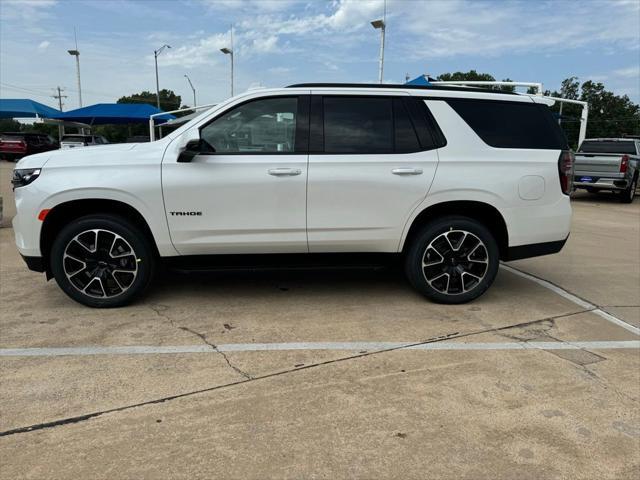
[{"x": 14, "y": 146}]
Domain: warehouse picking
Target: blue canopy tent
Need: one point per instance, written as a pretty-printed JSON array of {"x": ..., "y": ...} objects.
[
  {"x": 114, "y": 113},
  {"x": 421, "y": 80},
  {"x": 25, "y": 108}
]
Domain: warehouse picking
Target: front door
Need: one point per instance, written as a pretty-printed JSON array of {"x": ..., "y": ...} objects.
[{"x": 246, "y": 193}]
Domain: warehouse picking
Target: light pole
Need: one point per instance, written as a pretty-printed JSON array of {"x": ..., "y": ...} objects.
[
  {"x": 382, "y": 25},
  {"x": 76, "y": 53},
  {"x": 379, "y": 24},
  {"x": 229, "y": 51},
  {"x": 192, "y": 88},
  {"x": 155, "y": 54}
]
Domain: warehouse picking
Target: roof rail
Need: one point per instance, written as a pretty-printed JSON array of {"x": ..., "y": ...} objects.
[{"x": 454, "y": 88}]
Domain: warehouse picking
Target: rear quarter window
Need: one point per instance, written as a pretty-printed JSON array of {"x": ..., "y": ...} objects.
[{"x": 511, "y": 124}]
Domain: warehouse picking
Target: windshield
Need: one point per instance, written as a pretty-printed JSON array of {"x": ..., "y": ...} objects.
[{"x": 594, "y": 146}]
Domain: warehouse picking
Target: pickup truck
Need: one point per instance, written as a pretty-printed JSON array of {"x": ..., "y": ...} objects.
[
  {"x": 74, "y": 141},
  {"x": 608, "y": 164}
]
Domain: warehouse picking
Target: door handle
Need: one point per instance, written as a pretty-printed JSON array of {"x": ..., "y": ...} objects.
[
  {"x": 407, "y": 171},
  {"x": 284, "y": 172}
]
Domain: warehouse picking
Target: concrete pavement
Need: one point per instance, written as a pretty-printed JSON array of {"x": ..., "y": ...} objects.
[{"x": 333, "y": 413}]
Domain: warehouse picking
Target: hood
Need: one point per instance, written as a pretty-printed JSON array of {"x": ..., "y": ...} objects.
[{"x": 40, "y": 159}]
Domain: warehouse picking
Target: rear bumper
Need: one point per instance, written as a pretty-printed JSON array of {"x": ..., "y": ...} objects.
[
  {"x": 614, "y": 181},
  {"x": 533, "y": 250}
]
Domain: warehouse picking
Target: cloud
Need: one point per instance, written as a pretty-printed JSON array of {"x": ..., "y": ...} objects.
[
  {"x": 44, "y": 45},
  {"x": 630, "y": 72}
]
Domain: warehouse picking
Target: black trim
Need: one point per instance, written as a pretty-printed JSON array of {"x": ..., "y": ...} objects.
[
  {"x": 400, "y": 86},
  {"x": 301, "y": 142},
  {"x": 279, "y": 261},
  {"x": 316, "y": 125},
  {"x": 35, "y": 264},
  {"x": 533, "y": 250}
]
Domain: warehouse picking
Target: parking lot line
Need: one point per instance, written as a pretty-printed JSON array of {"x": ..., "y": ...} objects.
[
  {"x": 350, "y": 346},
  {"x": 573, "y": 298}
]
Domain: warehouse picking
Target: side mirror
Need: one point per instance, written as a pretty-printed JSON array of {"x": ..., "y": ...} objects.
[{"x": 190, "y": 151}]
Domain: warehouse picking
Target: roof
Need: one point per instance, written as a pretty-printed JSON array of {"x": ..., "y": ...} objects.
[
  {"x": 114, "y": 113},
  {"x": 25, "y": 108},
  {"x": 405, "y": 86}
]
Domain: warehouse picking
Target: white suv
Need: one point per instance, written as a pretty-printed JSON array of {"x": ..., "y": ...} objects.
[{"x": 450, "y": 179}]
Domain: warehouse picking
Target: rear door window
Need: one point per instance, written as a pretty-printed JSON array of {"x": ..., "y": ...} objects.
[
  {"x": 358, "y": 125},
  {"x": 511, "y": 124},
  {"x": 406, "y": 139}
]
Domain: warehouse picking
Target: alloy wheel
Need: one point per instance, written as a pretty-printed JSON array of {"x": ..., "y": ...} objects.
[
  {"x": 100, "y": 263},
  {"x": 455, "y": 262}
]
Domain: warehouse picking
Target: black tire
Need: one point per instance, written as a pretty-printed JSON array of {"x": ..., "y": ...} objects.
[
  {"x": 628, "y": 194},
  {"x": 114, "y": 276},
  {"x": 462, "y": 273}
]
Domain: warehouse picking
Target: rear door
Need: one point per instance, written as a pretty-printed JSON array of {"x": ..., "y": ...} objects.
[{"x": 371, "y": 162}]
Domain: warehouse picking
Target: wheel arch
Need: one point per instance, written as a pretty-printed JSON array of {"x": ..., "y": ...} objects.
[
  {"x": 64, "y": 213},
  {"x": 483, "y": 212}
]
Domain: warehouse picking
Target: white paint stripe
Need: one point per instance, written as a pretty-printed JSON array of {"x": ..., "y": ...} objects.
[
  {"x": 331, "y": 346},
  {"x": 573, "y": 298}
]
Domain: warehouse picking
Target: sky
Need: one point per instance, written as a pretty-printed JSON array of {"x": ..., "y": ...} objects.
[{"x": 280, "y": 42}]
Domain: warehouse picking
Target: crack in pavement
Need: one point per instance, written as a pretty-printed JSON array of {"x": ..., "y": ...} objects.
[
  {"x": 216, "y": 349},
  {"x": 439, "y": 338},
  {"x": 160, "y": 311}
]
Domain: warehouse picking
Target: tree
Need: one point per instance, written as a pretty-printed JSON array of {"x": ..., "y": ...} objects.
[
  {"x": 168, "y": 99},
  {"x": 472, "y": 75},
  {"x": 610, "y": 115},
  {"x": 10, "y": 125}
]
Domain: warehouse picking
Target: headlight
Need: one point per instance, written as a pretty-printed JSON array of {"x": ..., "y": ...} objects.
[{"x": 24, "y": 176}]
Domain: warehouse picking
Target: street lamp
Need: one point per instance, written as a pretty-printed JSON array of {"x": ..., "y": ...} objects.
[
  {"x": 155, "y": 54},
  {"x": 380, "y": 24},
  {"x": 228, "y": 51},
  {"x": 192, "y": 88},
  {"x": 76, "y": 53}
]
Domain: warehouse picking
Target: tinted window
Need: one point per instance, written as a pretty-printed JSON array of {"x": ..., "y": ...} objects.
[
  {"x": 72, "y": 138},
  {"x": 511, "y": 124},
  {"x": 405, "y": 135},
  {"x": 358, "y": 125},
  {"x": 628, "y": 146},
  {"x": 261, "y": 126}
]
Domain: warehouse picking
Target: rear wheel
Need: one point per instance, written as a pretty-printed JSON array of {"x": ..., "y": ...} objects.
[
  {"x": 452, "y": 260},
  {"x": 102, "y": 261},
  {"x": 627, "y": 195}
]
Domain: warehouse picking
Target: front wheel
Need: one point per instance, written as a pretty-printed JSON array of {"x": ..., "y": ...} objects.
[
  {"x": 102, "y": 261},
  {"x": 452, "y": 260}
]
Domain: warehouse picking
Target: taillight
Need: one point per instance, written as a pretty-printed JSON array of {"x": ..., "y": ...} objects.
[
  {"x": 565, "y": 170},
  {"x": 624, "y": 164}
]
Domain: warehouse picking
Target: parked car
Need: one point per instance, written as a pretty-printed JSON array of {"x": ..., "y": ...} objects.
[
  {"x": 319, "y": 171},
  {"x": 608, "y": 164},
  {"x": 74, "y": 141},
  {"x": 14, "y": 146}
]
